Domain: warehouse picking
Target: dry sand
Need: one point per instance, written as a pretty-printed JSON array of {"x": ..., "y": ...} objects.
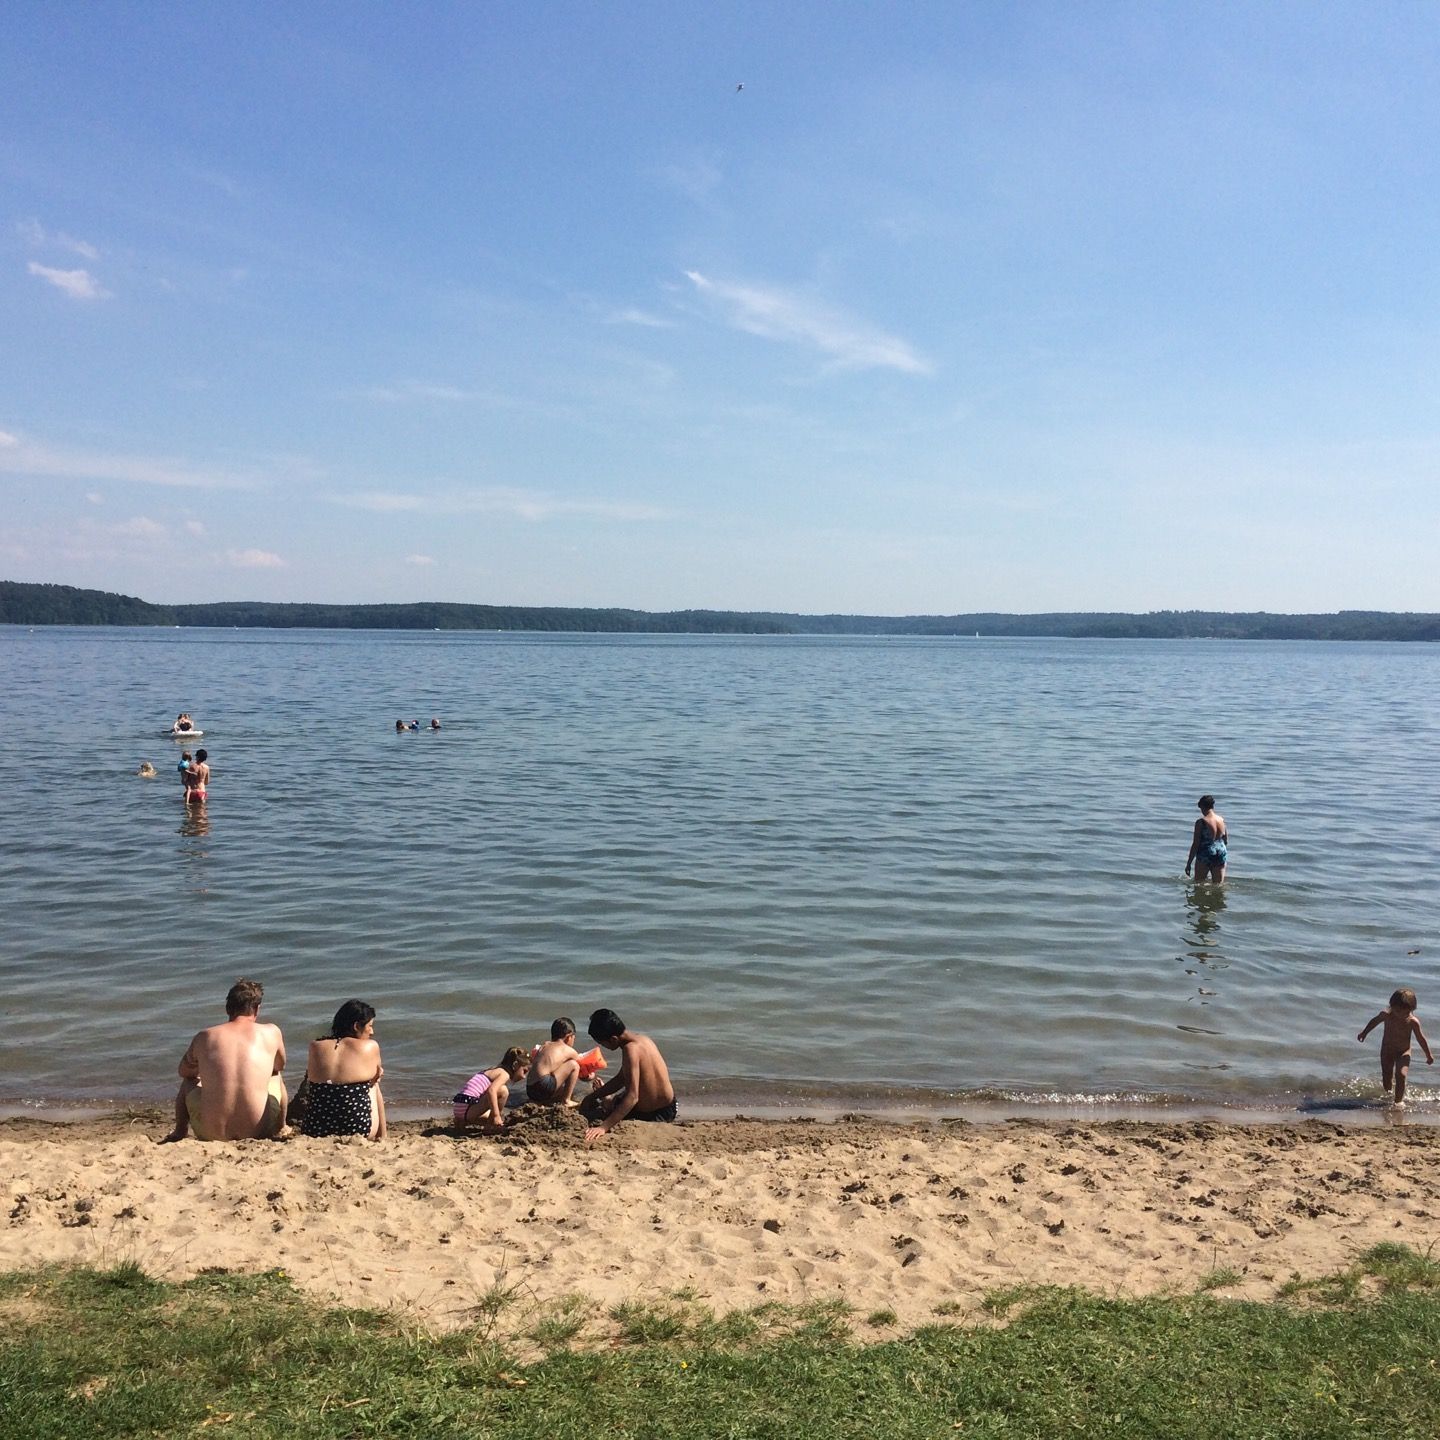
[{"x": 885, "y": 1216}]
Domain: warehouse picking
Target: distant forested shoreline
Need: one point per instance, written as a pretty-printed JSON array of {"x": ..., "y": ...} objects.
[{"x": 30, "y": 604}]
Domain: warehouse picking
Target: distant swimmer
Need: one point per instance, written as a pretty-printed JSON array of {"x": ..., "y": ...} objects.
[
  {"x": 401, "y": 727},
  {"x": 146, "y": 770},
  {"x": 1208, "y": 848},
  {"x": 196, "y": 779},
  {"x": 434, "y": 723},
  {"x": 183, "y": 723}
]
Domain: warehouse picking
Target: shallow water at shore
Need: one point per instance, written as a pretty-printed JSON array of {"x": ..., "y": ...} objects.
[{"x": 825, "y": 872}]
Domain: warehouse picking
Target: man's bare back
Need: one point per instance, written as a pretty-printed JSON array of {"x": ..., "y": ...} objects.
[
  {"x": 643, "y": 1068},
  {"x": 230, "y": 1078}
]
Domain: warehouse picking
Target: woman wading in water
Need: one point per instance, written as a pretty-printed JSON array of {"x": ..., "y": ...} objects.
[{"x": 1208, "y": 850}]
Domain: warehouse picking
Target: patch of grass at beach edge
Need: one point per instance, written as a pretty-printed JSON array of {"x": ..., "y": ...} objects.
[{"x": 116, "y": 1352}]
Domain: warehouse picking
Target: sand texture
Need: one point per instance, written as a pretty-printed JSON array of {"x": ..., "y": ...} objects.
[{"x": 898, "y": 1217}]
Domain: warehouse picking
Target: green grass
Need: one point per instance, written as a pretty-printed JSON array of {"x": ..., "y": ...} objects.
[
  {"x": 1221, "y": 1279},
  {"x": 115, "y": 1353}
]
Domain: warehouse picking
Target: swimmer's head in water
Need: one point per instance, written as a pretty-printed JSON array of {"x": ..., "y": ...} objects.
[
  {"x": 516, "y": 1061},
  {"x": 606, "y": 1027},
  {"x": 1404, "y": 1000},
  {"x": 244, "y": 998},
  {"x": 146, "y": 769},
  {"x": 352, "y": 1016},
  {"x": 1206, "y": 803}
]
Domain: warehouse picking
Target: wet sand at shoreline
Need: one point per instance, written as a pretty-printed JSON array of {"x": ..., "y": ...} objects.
[{"x": 884, "y": 1215}]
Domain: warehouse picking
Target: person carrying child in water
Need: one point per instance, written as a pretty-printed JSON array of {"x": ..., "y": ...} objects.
[
  {"x": 196, "y": 778},
  {"x": 641, "y": 1091},
  {"x": 1208, "y": 848},
  {"x": 1400, "y": 1024}
]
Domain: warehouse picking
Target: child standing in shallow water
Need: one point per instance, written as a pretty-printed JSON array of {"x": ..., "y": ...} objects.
[
  {"x": 1400, "y": 1024},
  {"x": 482, "y": 1100}
]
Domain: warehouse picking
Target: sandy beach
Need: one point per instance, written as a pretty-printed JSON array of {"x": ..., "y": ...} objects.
[{"x": 884, "y": 1216}]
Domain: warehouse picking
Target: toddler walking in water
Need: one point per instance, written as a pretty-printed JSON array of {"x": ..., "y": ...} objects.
[
  {"x": 482, "y": 1100},
  {"x": 1400, "y": 1024}
]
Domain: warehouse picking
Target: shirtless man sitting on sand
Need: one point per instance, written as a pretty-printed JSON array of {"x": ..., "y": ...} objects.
[
  {"x": 641, "y": 1091},
  {"x": 230, "y": 1085}
]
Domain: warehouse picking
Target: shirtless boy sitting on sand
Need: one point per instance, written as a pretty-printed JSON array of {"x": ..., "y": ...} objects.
[
  {"x": 555, "y": 1068},
  {"x": 1400, "y": 1024},
  {"x": 230, "y": 1085},
  {"x": 641, "y": 1091}
]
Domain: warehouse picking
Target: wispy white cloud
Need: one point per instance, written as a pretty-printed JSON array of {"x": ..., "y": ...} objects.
[
  {"x": 405, "y": 391},
  {"x": 94, "y": 497},
  {"x": 218, "y": 180},
  {"x": 421, "y": 560},
  {"x": 142, "y": 527},
  {"x": 632, "y": 316},
  {"x": 24, "y": 457},
  {"x": 82, "y": 248},
  {"x": 34, "y": 234},
  {"x": 696, "y": 178},
  {"x": 194, "y": 527},
  {"x": 795, "y": 319},
  {"x": 255, "y": 560},
  {"x": 7, "y": 440},
  {"x": 77, "y": 284},
  {"x": 497, "y": 500}
]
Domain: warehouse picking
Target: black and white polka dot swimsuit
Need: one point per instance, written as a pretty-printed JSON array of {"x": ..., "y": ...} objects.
[{"x": 336, "y": 1109}]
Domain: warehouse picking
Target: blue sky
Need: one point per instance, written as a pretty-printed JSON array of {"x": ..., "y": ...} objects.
[{"x": 951, "y": 307}]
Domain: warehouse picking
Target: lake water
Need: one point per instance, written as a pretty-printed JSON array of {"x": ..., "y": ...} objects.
[{"x": 822, "y": 872}]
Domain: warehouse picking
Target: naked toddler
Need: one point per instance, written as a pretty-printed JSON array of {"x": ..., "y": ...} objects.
[{"x": 1400, "y": 1024}]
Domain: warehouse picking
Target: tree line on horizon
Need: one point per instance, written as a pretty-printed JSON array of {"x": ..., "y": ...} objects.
[{"x": 23, "y": 603}]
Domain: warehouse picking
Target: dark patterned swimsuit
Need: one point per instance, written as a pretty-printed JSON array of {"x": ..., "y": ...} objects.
[{"x": 337, "y": 1109}]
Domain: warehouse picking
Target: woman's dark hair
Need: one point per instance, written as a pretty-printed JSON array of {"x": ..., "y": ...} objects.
[
  {"x": 352, "y": 1014},
  {"x": 1207, "y": 802}
]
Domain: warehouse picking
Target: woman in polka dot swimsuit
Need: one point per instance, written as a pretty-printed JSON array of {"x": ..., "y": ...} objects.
[{"x": 344, "y": 1072}]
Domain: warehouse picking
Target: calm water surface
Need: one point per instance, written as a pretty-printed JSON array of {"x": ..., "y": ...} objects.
[{"x": 820, "y": 871}]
